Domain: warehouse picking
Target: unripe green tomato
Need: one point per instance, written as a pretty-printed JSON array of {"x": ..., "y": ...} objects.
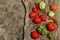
[
  {"x": 42, "y": 5},
  {"x": 51, "y": 36},
  {"x": 51, "y": 14},
  {"x": 42, "y": 30}
]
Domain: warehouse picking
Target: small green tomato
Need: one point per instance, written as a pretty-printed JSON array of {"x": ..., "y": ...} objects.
[
  {"x": 51, "y": 14},
  {"x": 42, "y": 5},
  {"x": 51, "y": 36},
  {"x": 42, "y": 30}
]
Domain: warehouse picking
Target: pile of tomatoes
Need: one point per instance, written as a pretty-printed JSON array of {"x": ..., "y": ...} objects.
[{"x": 42, "y": 18}]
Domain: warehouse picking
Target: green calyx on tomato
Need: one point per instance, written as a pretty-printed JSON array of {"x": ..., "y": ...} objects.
[{"x": 42, "y": 30}]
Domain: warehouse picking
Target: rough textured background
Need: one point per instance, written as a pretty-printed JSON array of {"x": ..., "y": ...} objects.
[{"x": 15, "y": 23}]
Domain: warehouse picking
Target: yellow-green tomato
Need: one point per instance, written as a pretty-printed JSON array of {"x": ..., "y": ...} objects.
[
  {"x": 51, "y": 36},
  {"x": 42, "y": 5},
  {"x": 51, "y": 14}
]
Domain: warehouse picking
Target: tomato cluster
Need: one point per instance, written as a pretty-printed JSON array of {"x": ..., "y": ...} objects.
[
  {"x": 42, "y": 18},
  {"x": 36, "y": 19}
]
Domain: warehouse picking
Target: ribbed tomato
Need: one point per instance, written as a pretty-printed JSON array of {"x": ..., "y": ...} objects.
[
  {"x": 43, "y": 17},
  {"x": 50, "y": 26}
]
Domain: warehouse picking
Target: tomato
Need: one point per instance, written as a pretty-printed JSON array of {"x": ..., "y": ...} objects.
[
  {"x": 43, "y": 17},
  {"x": 50, "y": 26},
  {"x": 37, "y": 6},
  {"x": 53, "y": 7},
  {"x": 42, "y": 5},
  {"x": 51, "y": 36},
  {"x": 51, "y": 14},
  {"x": 42, "y": 30},
  {"x": 55, "y": 21},
  {"x": 35, "y": 35},
  {"x": 37, "y": 20},
  {"x": 32, "y": 15},
  {"x": 35, "y": 9}
]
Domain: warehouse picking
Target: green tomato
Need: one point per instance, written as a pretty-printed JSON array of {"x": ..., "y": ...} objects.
[
  {"x": 42, "y": 5},
  {"x": 51, "y": 14},
  {"x": 51, "y": 36},
  {"x": 45, "y": 31},
  {"x": 42, "y": 30}
]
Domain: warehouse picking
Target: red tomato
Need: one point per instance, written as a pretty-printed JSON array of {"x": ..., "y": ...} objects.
[
  {"x": 37, "y": 6},
  {"x": 43, "y": 17},
  {"x": 32, "y": 15},
  {"x": 53, "y": 19},
  {"x": 35, "y": 9},
  {"x": 35, "y": 35},
  {"x": 50, "y": 27},
  {"x": 53, "y": 7},
  {"x": 37, "y": 20}
]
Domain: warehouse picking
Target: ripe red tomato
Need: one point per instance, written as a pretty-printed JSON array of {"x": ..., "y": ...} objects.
[
  {"x": 32, "y": 15},
  {"x": 35, "y": 9},
  {"x": 50, "y": 26},
  {"x": 37, "y": 6},
  {"x": 37, "y": 20},
  {"x": 35, "y": 35},
  {"x": 43, "y": 17},
  {"x": 53, "y": 7},
  {"x": 55, "y": 21}
]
